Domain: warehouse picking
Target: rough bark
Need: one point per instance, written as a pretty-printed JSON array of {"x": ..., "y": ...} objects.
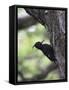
[
  {"x": 55, "y": 21},
  {"x": 25, "y": 22}
]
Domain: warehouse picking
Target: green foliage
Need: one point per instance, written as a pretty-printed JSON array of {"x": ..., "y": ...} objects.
[
  {"x": 31, "y": 60},
  {"x": 53, "y": 76}
]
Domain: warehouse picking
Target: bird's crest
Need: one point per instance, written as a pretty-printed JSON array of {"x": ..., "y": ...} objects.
[{"x": 38, "y": 43}]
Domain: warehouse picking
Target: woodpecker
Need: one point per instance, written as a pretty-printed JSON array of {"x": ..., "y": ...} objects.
[{"x": 46, "y": 49}]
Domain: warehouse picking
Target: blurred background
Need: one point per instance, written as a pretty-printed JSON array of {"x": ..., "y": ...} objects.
[{"x": 32, "y": 64}]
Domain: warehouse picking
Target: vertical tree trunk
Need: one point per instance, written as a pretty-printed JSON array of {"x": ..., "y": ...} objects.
[{"x": 55, "y": 21}]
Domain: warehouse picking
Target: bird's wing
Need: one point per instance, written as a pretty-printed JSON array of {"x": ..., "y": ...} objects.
[
  {"x": 48, "y": 47},
  {"x": 48, "y": 51}
]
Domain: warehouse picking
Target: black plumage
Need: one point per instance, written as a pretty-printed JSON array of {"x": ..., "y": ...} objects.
[{"x": 46, "y": 49}]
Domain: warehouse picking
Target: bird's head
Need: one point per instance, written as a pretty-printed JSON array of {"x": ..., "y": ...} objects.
[{"x": 38, "y": 44}]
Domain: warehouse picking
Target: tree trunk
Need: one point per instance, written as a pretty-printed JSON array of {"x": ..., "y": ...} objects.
[{"x": 55, "y": 21}]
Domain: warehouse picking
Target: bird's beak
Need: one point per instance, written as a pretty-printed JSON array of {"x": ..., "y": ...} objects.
[{"x": 42, "y": 41}]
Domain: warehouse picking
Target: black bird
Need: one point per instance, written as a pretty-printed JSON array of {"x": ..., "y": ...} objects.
[{"x": 46, "y": 49}]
